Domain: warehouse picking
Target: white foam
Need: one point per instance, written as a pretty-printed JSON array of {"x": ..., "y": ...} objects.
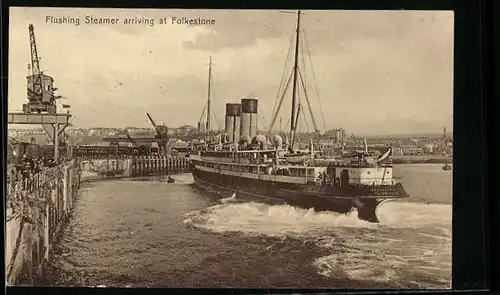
[
  {"x": 185, "y": 178},
  {"x": 229, "y": 200},
  {"x": 410, "y": 214},
  {"x": 278, "y": 220},
  {"x": 423, "y": 245},
  {"x": 410, "y": 237}
]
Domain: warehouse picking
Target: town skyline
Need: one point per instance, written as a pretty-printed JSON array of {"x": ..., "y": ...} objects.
[
  {"x": 378, "y": 72},
  {"x": 190, "y": 127}
]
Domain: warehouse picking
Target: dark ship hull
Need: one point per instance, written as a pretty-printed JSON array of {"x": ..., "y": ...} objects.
[{"x": 339, "y": 199}]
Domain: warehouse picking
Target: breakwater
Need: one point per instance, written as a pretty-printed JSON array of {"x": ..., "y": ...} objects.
[{"x": 37, "y": 207}]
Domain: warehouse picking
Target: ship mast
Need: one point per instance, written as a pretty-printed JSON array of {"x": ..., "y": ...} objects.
[
  {"x": 294, "y": 89},
  {"x": 208, "y": 96}
]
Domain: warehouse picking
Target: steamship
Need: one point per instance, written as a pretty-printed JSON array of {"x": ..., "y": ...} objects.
[{"x": 255, "y": 166}]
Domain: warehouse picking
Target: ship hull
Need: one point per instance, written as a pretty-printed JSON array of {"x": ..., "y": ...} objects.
[{"x": 321, "y": 198}]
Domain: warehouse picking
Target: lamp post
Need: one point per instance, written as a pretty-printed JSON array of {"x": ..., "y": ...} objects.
[{"x": 69, "y": 141}]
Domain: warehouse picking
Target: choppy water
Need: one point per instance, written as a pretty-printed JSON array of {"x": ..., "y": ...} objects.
[{"x": 150, "y": 233}]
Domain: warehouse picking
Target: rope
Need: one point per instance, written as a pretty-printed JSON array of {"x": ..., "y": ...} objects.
[
  {"x": 263, "y": 121},
  {"x": 215, "y": 117},
  {"x": 203, "y": 113},
  {"x": 287, "y": 122},
  {"x": 303, "y": 60},
  {"x": 304, "y": 118},
  {"x": 282, "y": 79},
  {"x": 315, "y": 80},
  {"x": 279, "y": 106},
  {"x": 212, "y": 97},
  {"x": 308, "y": 102}
]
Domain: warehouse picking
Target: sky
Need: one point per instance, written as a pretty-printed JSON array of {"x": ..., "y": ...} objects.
[{"x": 376, "y": 72}]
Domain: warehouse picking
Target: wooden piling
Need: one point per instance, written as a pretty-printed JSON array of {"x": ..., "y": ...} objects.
[{"x": 38, "y": 207}]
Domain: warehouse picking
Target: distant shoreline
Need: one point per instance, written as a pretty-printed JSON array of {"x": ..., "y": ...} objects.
[{"x": 420, "y": 160}]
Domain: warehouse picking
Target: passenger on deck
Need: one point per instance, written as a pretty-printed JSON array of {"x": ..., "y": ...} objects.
[{"x": 320, "y": 178}]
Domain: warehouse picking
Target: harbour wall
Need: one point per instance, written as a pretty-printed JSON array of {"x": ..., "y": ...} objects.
[
  {"x": 38, "y": 206},
  {"x": 132, "y": 167}
]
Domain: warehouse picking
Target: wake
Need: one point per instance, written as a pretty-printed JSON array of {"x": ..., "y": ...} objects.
[{"x": 412, "y": 241}]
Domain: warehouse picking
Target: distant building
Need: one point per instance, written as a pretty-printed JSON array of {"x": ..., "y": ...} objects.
[
  {"x": 411, "y": 150},
  {"x": 336, "y": 135},
  {"x": 429, "y": 148},
  {"x": 407, "y": 150},
  {"x": 327, "y": 144},
  {"x": 201, "y": 127},
  {"x": 184, "y": 130}
]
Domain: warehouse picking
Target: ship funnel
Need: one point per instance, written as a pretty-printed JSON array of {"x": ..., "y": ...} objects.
[
  {"x": 248, "y": 125},
  {"x": 232, "y": 126}
]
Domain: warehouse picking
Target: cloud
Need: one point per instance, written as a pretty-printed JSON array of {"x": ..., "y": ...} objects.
[
  {"x": 332, "y": 28},
  {"x": 375, "y": 71}
]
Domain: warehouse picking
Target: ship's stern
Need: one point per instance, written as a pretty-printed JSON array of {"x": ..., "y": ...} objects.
[{"x": 375, "y": 197}]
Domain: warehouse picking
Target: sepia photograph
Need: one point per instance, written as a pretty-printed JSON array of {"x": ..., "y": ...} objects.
[{"x": 229, "y": 148}]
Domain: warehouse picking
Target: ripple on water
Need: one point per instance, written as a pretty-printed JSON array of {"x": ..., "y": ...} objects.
[
  {"x": 412, "y": 240},
  {"x": 132, "y": 234}
]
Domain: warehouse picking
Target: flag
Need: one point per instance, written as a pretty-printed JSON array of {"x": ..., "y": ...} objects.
[{"x": 385, "y": 155}]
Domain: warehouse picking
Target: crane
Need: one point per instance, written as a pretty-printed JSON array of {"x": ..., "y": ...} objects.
[
  {"x": 161, "y": 135},
  {"x": 40, "y": 91},
  {"x": 37, "y": 88}
]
